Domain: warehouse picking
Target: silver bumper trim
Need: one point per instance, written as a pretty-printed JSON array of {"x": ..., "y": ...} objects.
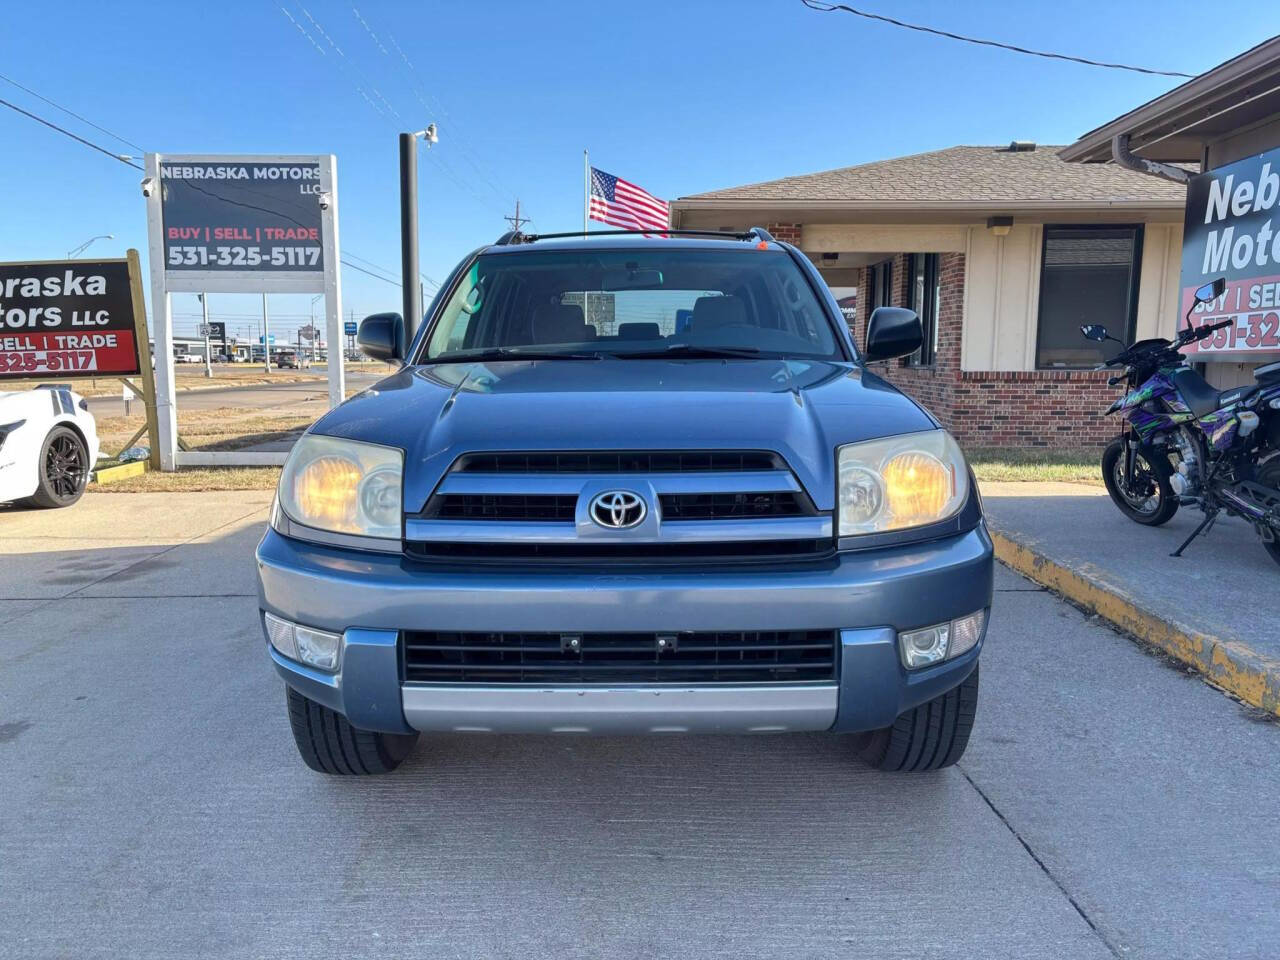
[{"x": 727, "y": 709}]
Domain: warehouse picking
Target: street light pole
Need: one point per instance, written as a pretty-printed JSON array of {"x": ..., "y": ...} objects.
[
  {"x": 409, "y": 225},
  {"x": 315, "y": 338},
  {"x": 72, "y": 254},
  {"x": 266, "y": 337},
  {"x": 204, "y": 303}
]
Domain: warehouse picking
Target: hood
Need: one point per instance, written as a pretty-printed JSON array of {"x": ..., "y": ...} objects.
[{"x": 801, "y": 409}]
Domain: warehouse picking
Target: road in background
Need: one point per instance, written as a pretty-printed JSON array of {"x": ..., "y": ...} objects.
[
  {"x": 1109, "y": 805},
  {"x": 255, "y": 396}
]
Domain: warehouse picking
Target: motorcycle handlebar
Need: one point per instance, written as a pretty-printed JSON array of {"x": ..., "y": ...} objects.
[{"x": 1199, "y": 333}]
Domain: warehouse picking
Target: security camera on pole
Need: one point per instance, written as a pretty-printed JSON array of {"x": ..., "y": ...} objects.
[{"x": 409, "y": 225}]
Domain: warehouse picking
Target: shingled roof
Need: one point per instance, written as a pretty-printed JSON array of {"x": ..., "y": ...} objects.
[{"x": 964, "y": 175}]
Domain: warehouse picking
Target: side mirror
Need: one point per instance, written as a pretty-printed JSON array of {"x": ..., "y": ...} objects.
[
  {"x": 892, "y": 332},
  {"x": 1211, "y": 291},
  {"x": 1094, "y": 331},
  {"x": 381, "y": 336}
]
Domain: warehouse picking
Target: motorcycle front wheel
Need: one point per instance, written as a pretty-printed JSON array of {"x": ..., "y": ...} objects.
[{"x": 1150, "y": 501}]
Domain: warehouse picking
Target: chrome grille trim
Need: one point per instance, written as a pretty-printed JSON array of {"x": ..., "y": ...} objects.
[
  {"x": 531, "y": 507},
  {"x": 753, "y": 481},
  {"x": 683, "y": 531}
]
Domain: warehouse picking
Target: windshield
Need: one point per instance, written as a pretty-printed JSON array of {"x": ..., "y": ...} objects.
[{"x": 633, "y": 303}]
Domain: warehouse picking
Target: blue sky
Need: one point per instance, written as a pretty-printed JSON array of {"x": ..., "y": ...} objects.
[{"x": 678, "y": 97}]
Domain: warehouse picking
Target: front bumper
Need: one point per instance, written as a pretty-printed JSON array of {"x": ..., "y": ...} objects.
[{"x": 868, "y": 597}]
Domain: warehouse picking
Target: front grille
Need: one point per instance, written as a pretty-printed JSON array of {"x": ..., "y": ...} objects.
[
  {"x": 733, "y": 506},
  {"x": 650, "y": 554},
  {"x": 781, "y": 656},
  {"x": 504, "y": 506},
  {"x": 638, "y": 461}
]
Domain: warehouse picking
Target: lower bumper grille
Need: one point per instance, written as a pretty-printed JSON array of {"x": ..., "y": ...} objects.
[{"x": 782, "y": 656}]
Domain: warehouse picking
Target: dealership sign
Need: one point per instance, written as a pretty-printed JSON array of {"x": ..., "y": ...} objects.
[
  {"x": 238, "y": 224},
  {"x": 69, "y": 318},
  {"x": 1232, "y": 230},
  {"x": 259, "y": 221}
]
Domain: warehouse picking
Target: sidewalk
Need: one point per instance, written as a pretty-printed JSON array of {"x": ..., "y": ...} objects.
[{"x": 1216, "y": 608}]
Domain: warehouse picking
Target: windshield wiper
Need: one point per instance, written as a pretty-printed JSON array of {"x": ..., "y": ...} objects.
[
  {"x": 689, "y": 350},
  {"x": 509, "y": 353}
]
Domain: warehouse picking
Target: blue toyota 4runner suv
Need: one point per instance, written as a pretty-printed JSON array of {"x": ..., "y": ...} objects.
[{"x": 624, "y": 484}]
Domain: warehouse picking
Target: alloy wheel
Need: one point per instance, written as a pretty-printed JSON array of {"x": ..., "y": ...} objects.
[{"x": 64, "y": 466}]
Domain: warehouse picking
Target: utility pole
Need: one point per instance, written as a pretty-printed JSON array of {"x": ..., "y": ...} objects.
[
  {"x": 266, "y": 337},
  {"x": 409, "y": 226},
  {"x": 204, "y": 304},
  {"x": 517, "y": 220}
]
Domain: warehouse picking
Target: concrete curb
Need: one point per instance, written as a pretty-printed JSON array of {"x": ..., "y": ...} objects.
[
  {"x": 121, "y": 471},
  {"x": 1231, "y": 665}
]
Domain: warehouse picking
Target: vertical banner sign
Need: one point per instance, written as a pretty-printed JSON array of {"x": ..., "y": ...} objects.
[
  {"x": 238, "y": 224},
  {"x": 1232, "y": 230},
  {"x": 67, "y": 318}
]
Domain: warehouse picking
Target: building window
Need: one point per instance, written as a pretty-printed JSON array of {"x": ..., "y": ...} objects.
[
  {"x": 879, "y": 285},
  {"x": 923, "y": 295},
  {"x": 1088, "y": 275}
]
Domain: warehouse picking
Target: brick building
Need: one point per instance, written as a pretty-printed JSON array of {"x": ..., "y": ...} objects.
[{"x": 1004, "y": 252}]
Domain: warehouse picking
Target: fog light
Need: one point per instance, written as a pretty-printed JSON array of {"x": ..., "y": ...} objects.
[
  {"x": 280, "y": 635},
  {"x": 942, "y": 641},
  {"x": 318, "y": 647},
  {"x": 921, "y": 647}
]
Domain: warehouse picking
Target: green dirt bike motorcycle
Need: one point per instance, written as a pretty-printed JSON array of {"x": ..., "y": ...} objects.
[{"x": 1185, "y": 442}]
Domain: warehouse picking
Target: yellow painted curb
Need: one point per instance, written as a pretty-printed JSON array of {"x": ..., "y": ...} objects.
[
  {"x": 1234, "y": 666},
  {"x": 119, "y": 472}
]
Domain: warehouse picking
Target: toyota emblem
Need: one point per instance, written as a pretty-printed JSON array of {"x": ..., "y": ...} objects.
[{"x": 617, "y": 509}]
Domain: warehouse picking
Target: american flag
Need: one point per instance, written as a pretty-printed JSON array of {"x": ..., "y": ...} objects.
[{"x": 623, "y": 204}]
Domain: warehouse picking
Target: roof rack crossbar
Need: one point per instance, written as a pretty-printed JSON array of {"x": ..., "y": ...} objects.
[{"x": 515, "y": 236}]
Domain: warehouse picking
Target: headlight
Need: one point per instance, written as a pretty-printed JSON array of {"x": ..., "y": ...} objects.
[
  {"x": 343, "y": 486},
  {"x": 900, "y": 482}
]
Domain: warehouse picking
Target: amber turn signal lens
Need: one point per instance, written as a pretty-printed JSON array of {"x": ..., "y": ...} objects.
[
  {"x": 917, "y": 487},
  {"x": 325, "y": 489}
]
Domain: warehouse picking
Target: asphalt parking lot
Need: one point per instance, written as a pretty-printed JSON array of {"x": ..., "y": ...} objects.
[{"x": 1110, "y": 805}]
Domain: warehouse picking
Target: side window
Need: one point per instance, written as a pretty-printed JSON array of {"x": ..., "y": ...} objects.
[
  {"x": 923, "y": 294},
  {"x": 465, "y": 304}
]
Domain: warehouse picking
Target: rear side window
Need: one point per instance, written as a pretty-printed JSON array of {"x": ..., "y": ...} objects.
[{"x": 633, "y": 301}]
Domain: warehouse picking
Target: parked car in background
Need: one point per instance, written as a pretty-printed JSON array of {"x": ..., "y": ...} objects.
[
  {"x": 187, "y": 358},
  {"x": 48, "y": 446},
  {"x": 629, "y": 525}
]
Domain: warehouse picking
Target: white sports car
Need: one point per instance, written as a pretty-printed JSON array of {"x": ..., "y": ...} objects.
[{"x": 48, "y": 445}]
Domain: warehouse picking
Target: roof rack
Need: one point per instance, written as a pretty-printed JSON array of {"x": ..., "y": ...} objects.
[{"x": 512, "y": 237}]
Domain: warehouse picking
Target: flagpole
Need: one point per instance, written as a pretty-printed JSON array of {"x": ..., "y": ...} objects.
[{"x": 586, "y": 188}]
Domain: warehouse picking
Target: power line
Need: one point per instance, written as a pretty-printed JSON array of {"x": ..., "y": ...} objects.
[
  {"x": 823, "y": 7},
  {"x": 125, "y": 160},
  {"x": 348, "y": 263},
  {"x": 67, "y": 133},
  {"x": 40, "y": 96}
]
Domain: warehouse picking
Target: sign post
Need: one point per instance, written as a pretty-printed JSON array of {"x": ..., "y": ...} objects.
[{"x": 238, "y": 224}]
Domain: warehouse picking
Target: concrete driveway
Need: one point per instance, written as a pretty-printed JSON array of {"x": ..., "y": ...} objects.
[{"x": 154, "y": 806}]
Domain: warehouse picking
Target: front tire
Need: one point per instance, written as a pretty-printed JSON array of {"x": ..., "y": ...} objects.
[
  {"x": 931, "y": 736},
  {"x": 63, "y": 470},
  {"x": 328, "y": 743},
  {"x": 1152, "y": 502}
]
